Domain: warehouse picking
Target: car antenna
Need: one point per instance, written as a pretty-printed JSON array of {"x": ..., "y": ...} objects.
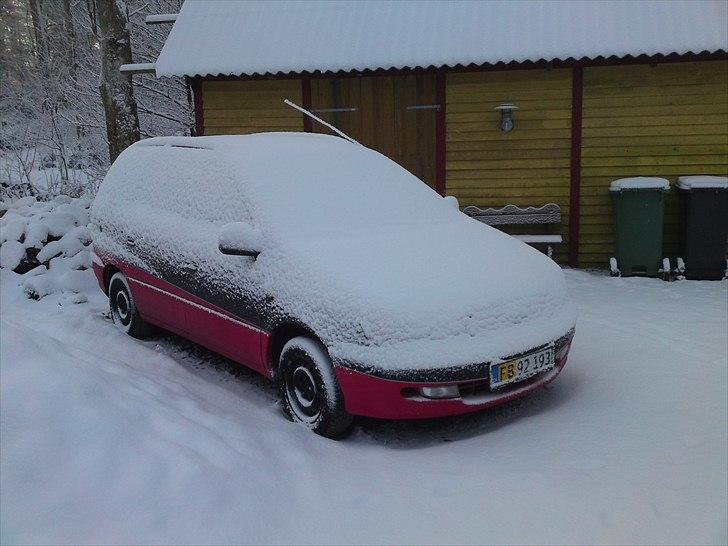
[{"x": 322, "y": 122}]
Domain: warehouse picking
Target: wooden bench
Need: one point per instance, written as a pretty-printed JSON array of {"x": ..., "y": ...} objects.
[{"x": 512, "y": 215}]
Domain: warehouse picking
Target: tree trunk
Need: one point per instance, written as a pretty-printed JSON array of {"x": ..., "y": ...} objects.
[
  {"x": 70, "y": 33},
  {"x": 117, "y": 94},
  {"x": 39, "y": 34}
]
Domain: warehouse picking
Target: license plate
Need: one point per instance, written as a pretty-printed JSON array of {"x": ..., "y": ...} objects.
[{"x": 518, "y": 369}]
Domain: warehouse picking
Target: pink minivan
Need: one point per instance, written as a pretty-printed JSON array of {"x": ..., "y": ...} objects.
[{"x": 331, "y": 270}]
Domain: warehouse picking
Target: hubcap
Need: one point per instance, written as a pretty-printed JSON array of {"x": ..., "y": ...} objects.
[
  {"x": 304, "y": 387},
  {"x": 302, "y": 391},
  {"x": 122, "y": 305}
]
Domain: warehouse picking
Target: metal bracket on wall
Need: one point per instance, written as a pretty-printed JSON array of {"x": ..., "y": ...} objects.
[
  {"x": 424, "y": 107},
  {"x": 332, "y": 110},
  {"x": 322, "y": 122}
]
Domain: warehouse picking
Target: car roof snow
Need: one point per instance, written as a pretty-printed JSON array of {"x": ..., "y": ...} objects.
[{"x": 223, "y": 142}]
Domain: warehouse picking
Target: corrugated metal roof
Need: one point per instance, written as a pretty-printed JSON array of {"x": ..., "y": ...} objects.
[{"x": 235, "y": 38}]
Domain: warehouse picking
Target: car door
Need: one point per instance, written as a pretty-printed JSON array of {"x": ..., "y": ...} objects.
[
  {"x": 225, "y": 332},
  {"x": 219, "y": 303}
]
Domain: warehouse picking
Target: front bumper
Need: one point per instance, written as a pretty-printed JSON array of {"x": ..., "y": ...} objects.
[{"x": 385, "y": 398}]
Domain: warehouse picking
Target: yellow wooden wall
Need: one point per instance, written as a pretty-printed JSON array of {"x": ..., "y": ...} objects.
[
  {"x": 664, "y": 120},
  {"x": 529, "y": 165},
  {"x": 381, "y": 119},
  {"x": 638, "y": 120},
  {"x": 242, "y": 107}
]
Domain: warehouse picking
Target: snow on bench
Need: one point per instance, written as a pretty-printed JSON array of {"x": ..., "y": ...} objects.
[
  {"x": 512, "y": 215},
  {"x": 531, "y": 239}
]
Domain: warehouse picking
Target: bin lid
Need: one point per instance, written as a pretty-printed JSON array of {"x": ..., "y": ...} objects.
[
  {"x": 640, "y": 183},
  {"x": 702, "y": 181}
]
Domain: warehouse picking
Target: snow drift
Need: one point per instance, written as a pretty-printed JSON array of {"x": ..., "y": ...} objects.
[{"x": 48, "y": 243}]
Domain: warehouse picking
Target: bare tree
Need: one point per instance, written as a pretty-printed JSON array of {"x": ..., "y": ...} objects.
[
  {"x": 70, "y": 34},
  {"x": 117, "y": 92},
  {"x": 165, "y": 104},
  {"x": 53, "y": 127},
  {"x": 39, "y": 32}
]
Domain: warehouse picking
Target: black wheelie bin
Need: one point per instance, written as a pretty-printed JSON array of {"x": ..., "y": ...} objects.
[{"x": 704, "y": 227}]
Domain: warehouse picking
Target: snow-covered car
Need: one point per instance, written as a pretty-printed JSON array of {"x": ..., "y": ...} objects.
[{"x": 330, "y": 269}]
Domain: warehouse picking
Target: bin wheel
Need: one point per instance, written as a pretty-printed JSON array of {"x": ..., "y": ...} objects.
[
  {"x": 679, "y": 271},
  {"x": 666, "y": 270},
  {"x": 613, "y": 269}
]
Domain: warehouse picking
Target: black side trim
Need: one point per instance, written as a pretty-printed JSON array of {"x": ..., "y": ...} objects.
[{"x": 466, "y": 372}]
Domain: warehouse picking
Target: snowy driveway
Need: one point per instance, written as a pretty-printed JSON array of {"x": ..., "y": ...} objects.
[{"x": 109, "y": 440}]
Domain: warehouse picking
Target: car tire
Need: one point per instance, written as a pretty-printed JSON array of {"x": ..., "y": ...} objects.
[
  {"x": 124, "y": 312},
  {"x": 309, "y": 390}
]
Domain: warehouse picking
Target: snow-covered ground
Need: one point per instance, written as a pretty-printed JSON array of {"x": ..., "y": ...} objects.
[{"x": 106, "y": 439}]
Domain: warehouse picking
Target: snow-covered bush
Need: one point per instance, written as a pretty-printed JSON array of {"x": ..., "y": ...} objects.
[{"x": 48, "y": 244}]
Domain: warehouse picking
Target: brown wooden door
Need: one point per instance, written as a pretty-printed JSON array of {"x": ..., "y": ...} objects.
[{"x": 395, "y": 115}]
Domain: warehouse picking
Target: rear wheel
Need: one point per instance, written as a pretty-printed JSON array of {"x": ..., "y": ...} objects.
[
  {"x": 309, "y": 390},
  {"x": 123, "y": 310}
]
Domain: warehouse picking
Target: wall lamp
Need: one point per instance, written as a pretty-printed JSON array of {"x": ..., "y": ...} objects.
[{"x": 506, "y": 110}]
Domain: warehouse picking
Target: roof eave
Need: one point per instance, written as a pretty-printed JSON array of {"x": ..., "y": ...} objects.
[{"x": 706, "y": 55}]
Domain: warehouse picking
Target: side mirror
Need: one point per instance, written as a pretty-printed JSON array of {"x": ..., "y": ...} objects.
[{"x": 239, "y": 239}]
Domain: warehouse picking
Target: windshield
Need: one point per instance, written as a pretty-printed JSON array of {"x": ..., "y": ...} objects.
[{"x": 326, "y": 185}]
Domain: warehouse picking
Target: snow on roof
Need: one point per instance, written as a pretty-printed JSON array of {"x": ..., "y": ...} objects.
[
  {"x": 640, "y": 183},
  {"x": 222, "y": 142},
  {"x": 702, "y": 182},
  {"x": 235, "y": 38}
]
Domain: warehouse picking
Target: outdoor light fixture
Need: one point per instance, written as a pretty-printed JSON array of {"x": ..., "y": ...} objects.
[{"x": 506, "y": 110}]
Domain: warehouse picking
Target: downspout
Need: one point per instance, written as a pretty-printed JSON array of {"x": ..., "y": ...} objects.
[{"x": 577, "y": 95}]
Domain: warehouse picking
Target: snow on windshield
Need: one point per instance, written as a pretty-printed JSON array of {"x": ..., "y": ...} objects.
[{"x": 309, "y": 184}]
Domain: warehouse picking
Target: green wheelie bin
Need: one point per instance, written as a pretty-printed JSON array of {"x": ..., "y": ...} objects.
[
  {"x": 704, "y": 227},
  {"x": 639, "y": 205}
]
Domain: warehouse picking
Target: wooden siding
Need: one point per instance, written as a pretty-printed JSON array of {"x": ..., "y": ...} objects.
[
  {"x": 526, "y": 166},
  {"x": 382, "y": 117},
  {"x": 638, "y": 120},
  {"x": 243, "y": 107},
  {"x": 664, "y": 120}
]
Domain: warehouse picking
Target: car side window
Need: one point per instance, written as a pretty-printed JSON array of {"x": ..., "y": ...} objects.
[{"x": 200, "y": 186}]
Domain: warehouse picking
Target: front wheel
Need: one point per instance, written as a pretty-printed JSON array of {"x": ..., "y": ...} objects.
[
  {"x": 123, "y": 309},
  {"x": 309, "y": 390}
]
